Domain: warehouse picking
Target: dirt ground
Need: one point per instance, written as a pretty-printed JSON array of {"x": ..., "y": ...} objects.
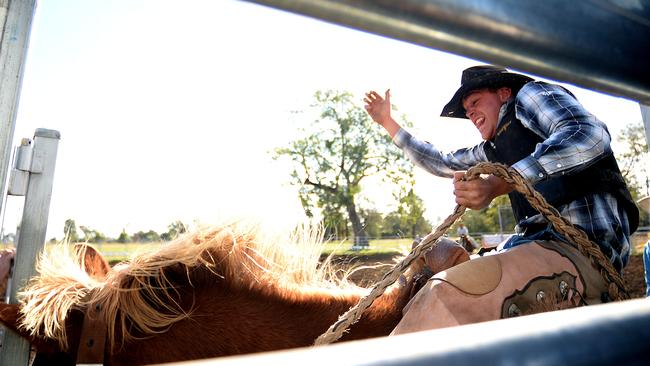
[{"x": 632, "y": 274}]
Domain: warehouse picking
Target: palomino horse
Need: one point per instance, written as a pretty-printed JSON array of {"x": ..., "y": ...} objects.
[{"x": 216, "y": 292}]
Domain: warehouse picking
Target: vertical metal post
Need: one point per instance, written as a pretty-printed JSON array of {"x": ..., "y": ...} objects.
[
  {"x": 645, "y": 114},
  {"x": 13, "y": 51},
  {"x": 31, "y": 240},
  {"x": 500, "y": 219}
]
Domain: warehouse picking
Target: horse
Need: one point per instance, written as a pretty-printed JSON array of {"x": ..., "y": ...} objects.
[{"x": 222, "y": 291}]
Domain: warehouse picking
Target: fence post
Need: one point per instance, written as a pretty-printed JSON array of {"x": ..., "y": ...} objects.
[
  {"x": 36, "y": 184},
  {"x": 16, "y": 16}
]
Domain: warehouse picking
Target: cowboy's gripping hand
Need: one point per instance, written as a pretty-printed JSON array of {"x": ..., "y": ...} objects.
[{"x": 478, "y": 193}]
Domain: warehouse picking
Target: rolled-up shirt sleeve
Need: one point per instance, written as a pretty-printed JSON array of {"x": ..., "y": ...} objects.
[
  {"x": 574, "y": 138},
  {"x": 428, "y": 157}
]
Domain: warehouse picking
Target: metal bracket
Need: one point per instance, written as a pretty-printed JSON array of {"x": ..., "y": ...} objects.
[{"x": 19, "y": 175}]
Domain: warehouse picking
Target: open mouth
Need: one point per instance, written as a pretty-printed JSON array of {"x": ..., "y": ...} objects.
[{"x": 479, "y": 122}]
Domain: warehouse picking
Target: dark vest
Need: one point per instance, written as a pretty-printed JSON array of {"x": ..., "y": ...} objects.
[{"x": 512, "y": 142}]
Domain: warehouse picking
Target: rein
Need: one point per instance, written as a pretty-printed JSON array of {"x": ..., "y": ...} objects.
[
  {"x": 573, "y": 234},
  {"x": 92, "y": 341}
]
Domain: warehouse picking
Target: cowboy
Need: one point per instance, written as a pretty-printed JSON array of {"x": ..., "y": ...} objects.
[
  {"x": 547, "y": 136},
  {"x": 464, "y": 239}
]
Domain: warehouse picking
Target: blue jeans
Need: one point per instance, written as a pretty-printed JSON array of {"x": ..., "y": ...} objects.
[
  {"x": 548, "y": 233},
  {"x": 646, "y": 267}
]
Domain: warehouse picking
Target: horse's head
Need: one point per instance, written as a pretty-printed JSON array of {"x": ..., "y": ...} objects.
[{"x": 49, "y": 350}]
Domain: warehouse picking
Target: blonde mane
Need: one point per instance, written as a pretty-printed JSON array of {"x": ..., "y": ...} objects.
[{"x": 140, "y": 296}]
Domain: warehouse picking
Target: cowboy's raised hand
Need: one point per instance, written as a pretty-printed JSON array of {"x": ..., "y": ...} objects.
[{"x": 377, "y": 107}]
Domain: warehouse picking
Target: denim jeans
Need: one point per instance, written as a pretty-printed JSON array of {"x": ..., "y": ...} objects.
[
  {"x": 646, "y": 267},
  {"x": 548, "y": 233}
]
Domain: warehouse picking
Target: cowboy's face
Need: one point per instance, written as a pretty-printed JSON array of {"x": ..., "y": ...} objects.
[{"x": 482, "y": 107}]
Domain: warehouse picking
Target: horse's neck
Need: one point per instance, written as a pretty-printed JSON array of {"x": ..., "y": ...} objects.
[
  {"x": 382, "y": 317},
  {"x": 321, "y": 311},
  {"x": 300, "y": 317},
  {"x": 247, "y": 321}
]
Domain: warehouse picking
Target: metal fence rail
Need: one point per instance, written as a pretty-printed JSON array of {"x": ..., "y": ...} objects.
[
  {"x": 610, "y": 334},
  {"x": 597, "y": 44}
]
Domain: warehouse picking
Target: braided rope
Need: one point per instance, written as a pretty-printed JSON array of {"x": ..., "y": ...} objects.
[{"x": 563, "y": 226}]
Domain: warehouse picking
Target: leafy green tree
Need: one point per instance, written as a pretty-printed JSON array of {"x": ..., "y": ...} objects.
[
  {"x": 335, "y": 153},
  {"x": 174, "y": 229},
  {"x": 124, "y": 237},
  {"x": 372, "y": 222},
  {"x": 393, "y": 226},
  {"x": 495, "y": 218},
  {"x": 411, "y": 211},
  {"x": 99, "y": 237},
  {"x": 70, "y": 231},
  {"x": 92, "y": 235},
  {"x": 88, "y": 232},
  {"x": 407, "y": 221},
  {"x": 334, "y": 222},
  {"x": 633, "y": 161},
  {"x": 146, "y": 237}
]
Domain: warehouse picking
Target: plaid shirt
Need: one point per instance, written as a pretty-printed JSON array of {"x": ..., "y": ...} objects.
[{"x": 573, "y": 139}]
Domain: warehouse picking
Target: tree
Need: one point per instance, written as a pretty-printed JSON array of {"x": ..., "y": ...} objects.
[
  {"x": 411, "y": 211},
  {"x": 372, "y": 222},
  {"x": 633, "y": 163},
  {"x": 635, "y": 152},
  {"x": 334, "y": 222},
  {"x": 492, "y": 219},
  {"x": 88, "y": 232},
  {"x": 393, "y": 226},
  {"x": 336, "y": 153},
  {"x": 407, "y": 221},
  {"x": 146, "y": 237},
  {"x": 70, "y": 231},
  {"x": 174, "y": 229},
  {"x": 124, "y": 237},
  {"x": 92, "y": 235}
]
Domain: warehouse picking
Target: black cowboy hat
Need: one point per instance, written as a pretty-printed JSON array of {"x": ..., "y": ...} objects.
[{"x": 479, "y": 77}]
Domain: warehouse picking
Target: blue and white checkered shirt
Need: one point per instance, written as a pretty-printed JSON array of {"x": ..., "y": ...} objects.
[{"x": 573, "y": 139}]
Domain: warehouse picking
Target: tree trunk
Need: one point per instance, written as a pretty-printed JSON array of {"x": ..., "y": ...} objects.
[{"x": 360, "y": 236}]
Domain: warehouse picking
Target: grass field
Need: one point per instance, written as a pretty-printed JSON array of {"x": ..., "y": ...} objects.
[
  {"x": 115, "y": 252},
  {"x": 377, "y": 246}
]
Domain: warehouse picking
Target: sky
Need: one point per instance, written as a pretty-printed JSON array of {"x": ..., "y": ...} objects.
[{"x": 169, "y": 110}]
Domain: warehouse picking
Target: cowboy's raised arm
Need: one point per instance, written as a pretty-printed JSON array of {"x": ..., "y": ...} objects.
[{"x": 379, "y": 110}]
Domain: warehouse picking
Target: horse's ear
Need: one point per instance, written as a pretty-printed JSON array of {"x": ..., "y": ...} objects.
[{"x": 93, "y": 261}]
